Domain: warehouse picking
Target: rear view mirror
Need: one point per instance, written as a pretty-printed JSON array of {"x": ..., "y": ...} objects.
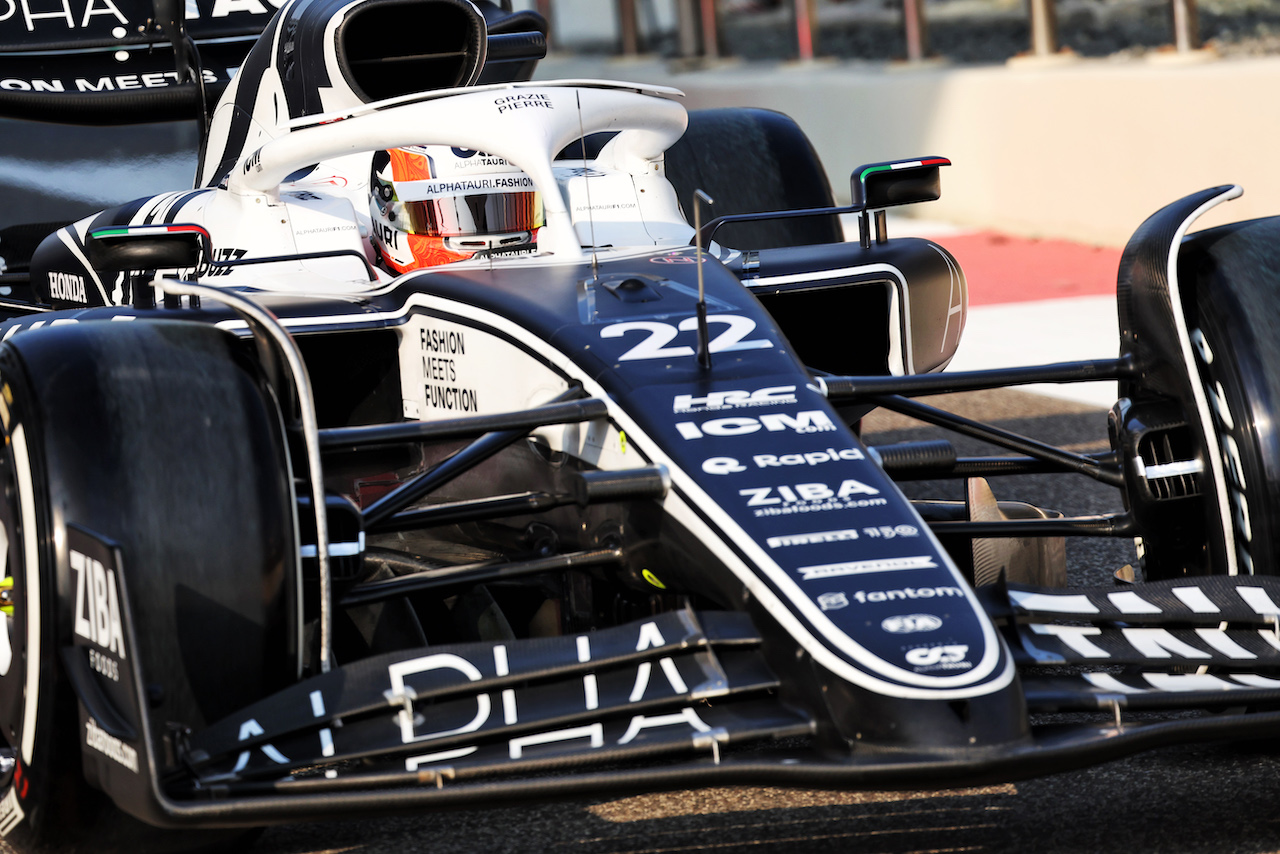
[
  {"x": 899, "y": 182},
  {"x": 121, "y": 249}
]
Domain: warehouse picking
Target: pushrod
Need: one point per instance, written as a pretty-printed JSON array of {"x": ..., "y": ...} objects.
[
  {"x": 1068, "y": 461},
  {"x": 377, "y": 591},
  {"x": 474, "y": 510},
  {"x": 463, "y": 461},
  {"x": 570, "y": 412},
  {"x": 1091, "y": 370},
  {"x": 1109, "y": 525},
  {"x": 993, "y": 466}
]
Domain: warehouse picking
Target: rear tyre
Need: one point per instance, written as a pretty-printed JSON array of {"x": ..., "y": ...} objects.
[
  {"x": 750, "y": 161},
  {"x": 155, "y": 448}
]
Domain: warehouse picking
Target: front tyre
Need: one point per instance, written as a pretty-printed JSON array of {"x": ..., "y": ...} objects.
[
  {"x": 1232, "y": 299},
  {"x": 147, "y": 526},
  {"x": 41, "y": 795}
]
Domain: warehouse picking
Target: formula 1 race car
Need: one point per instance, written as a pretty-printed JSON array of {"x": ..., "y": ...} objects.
[{"x": 426, "y": 455}]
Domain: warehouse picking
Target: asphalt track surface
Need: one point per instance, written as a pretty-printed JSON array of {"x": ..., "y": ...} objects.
[{"x": 1214, "y": 797}]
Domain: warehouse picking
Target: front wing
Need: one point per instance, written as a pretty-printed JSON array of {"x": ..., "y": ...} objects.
[{"x": 693, "y": 698}]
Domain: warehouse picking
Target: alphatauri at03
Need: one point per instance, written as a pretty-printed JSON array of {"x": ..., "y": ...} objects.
[{"x": 288, "y": 535}]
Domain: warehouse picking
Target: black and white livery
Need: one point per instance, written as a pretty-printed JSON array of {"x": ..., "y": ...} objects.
[{"x": 287, "y": 535}]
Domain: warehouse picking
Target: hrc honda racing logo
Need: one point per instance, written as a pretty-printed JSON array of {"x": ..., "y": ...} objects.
[{"x": 738, "y": 399}]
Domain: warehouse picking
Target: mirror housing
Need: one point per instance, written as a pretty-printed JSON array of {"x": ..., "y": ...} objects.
[
  {"x": 897, "y": 182},
  {"x": 123, "y": 249}
]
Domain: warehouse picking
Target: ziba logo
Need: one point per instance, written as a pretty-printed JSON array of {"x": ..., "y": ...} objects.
[
  {"x": 97, "y": 604},
  {"x": 809, "y": 421},
  {"x": 764, "y": 495},
  {"x": 810, "y": 498}
]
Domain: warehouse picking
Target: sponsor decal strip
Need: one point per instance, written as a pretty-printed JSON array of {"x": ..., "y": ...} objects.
[
  {"x": 108, "y": 745},
  {"x": 1055, "y": 644},
  {"x": 1208, "y": 601},
  {"x": 1150, "y": 683},
  {"x": 858, "y": 567},
  {"x": 10, "y": 812}
]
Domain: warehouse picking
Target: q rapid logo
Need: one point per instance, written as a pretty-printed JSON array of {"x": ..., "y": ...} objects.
[{"x": 722, "y": 465}]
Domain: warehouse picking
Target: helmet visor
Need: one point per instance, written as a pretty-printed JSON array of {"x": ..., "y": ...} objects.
[{"x": 476, "y": 214}]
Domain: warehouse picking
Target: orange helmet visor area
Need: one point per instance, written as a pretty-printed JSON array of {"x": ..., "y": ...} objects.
[
  {"x": 465, "y": 216},
  {"x": 446, "y": 227},
  {"x": 435, "y": 251}
]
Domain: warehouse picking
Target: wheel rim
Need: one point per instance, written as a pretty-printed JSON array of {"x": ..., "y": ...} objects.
[{"x": 20, "y": 641}]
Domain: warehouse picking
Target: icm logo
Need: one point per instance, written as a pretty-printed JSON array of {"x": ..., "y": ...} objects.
[
  {"x": 949, "y": 657},
  {"x": 906, "y": 624},
  {"x": 809, "y": 421},
  {"x": 833, "y": 601},
  {"x": 774, "y": 396}
]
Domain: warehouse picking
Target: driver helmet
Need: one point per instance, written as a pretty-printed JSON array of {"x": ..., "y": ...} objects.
[{"x": 433, "y": 205}]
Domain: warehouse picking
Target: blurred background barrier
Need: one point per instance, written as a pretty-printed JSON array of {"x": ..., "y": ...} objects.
[
  {"x": 1071, "y": 119},
  {"x": 807, "y": 29}
]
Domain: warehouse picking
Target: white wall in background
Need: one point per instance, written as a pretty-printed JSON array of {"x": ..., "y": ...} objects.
[{"x": 593, "y": 22}]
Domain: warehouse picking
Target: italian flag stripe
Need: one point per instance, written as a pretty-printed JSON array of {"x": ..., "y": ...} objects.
[
  {"x": 905, "y": 164},
  {"x": 145, "y": 230}
]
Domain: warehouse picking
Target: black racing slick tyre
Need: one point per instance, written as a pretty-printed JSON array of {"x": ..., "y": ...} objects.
[
  {"x": 748, "y": 161},
  {"x": 147, "y": 528},
  {"x": 1229, "y": 275}
]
